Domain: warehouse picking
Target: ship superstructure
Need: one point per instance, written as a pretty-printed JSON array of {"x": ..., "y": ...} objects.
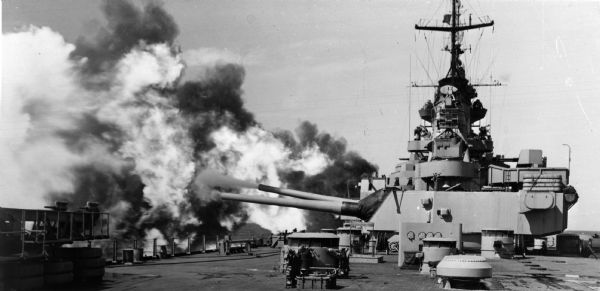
[
  {"x": 447, "y": 152},
  {"x": 452, "y": 181}
]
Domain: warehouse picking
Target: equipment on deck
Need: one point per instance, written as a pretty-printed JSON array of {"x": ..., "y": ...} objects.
[
  {"x": 314, "y": 257},
  {"x": 31, "y": 243}
]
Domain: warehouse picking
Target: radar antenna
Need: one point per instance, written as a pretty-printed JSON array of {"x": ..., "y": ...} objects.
[{"x": 456, "y": 68}]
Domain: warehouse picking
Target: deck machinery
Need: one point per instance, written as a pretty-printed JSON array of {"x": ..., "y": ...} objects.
[
  {"x": 314, "y": 259},
  {"x": 452, "y": 185},
  {"x": 32, "y": 246}
]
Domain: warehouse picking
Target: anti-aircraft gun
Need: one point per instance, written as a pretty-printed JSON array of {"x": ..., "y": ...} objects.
[{"x": 452, "y": 185}]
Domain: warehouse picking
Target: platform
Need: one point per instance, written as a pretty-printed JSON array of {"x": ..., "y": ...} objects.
[{"x": 365, "y": 259}]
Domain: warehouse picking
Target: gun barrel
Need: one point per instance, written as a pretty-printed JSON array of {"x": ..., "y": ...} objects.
[
  {"x": 337, "y": 207},
  {"x": 301, "y": 194}
]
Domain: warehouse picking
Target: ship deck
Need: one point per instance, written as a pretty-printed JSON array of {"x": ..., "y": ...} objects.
[{"x": 260, "y": 272}]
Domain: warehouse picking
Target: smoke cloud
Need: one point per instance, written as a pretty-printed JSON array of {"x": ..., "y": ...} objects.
[
  {"x": 214, "y": 179},
  {"x": 338, "y": 178},
  {"x": 109, "y": 120},
  {"x": 128, "y": 27},
  {"x": 213, "y": 102}
]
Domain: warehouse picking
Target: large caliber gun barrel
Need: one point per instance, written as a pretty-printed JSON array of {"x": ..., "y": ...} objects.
[
  {"x": 340, "y": 207},
  {"x": 300, "y": 194},
  {"x": 363, "y": 209}
]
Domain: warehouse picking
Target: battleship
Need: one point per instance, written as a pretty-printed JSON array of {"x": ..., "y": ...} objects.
[
  {"x": 452, "y": 188},
  {"x": 452, "y": 166}
]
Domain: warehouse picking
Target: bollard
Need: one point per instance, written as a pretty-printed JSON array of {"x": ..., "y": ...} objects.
[
  {"x": 114, "y": 251},
  {"x": 227, "y": 242},
  {"x": 372, "y": 246},
  {"x": 127, "y": 256},
  {"x": 189, "y": 248},
  {"x": 249, "y": 247},
  {"x": 351, "y": 244},
  {"x": 154, "y": 250},
  {"x": 138, "y": 255},
  {"x": 172, "y": 247},
  {"x": 203, "y": 244}
]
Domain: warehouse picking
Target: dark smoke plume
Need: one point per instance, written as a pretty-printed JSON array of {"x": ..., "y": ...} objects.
[
  {"x": 209, "y": 104},
  {"x": 214, "y": 102},
  {"x": 338, "y": 179},
  {"x": 211, "y": 214},
  {"x": 127, "y": 27}
]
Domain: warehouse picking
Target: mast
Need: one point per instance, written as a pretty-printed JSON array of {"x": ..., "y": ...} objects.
[
  {"x": 456, "y": 69},
  {"x": 453, "y": 51}
]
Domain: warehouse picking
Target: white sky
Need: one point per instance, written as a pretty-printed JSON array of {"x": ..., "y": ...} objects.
[{"x": 345, "y": 65}]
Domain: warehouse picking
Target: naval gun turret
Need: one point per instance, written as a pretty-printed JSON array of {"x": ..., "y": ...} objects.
[{"x": 363, "y": 209}]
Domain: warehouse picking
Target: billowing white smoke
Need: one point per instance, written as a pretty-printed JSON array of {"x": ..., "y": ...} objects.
[
  {"x": 256, "y": 155},
  {"x": 156, "y": 135},
  {"x": 42, "y": 98}
]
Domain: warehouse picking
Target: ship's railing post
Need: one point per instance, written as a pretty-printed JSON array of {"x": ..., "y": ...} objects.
[
  {"x": 114, "y": 251},
  {"x": 351, "y": 244},
  {"x": 227, "y": 242},
  {"x": 22, "y": 233},
  {"x": 172, "y": 247},
  {"x": 189, "y": 246},
  {"x": 154, "y": 249}
]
